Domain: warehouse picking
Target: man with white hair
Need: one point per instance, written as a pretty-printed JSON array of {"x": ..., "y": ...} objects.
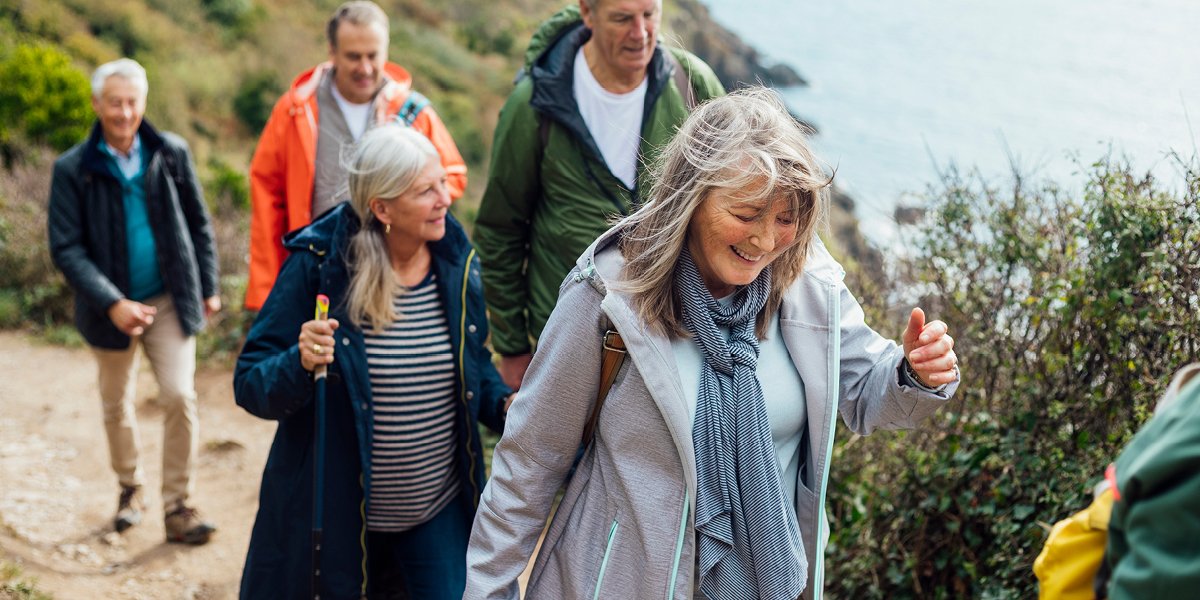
[{"x": 130, "y": 231}]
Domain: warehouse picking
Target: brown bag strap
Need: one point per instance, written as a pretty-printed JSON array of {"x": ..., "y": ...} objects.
[{"x": 614, "y": 356}]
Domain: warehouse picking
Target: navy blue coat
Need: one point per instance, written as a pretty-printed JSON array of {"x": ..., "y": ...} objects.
[{"x": 270, "y": 382}]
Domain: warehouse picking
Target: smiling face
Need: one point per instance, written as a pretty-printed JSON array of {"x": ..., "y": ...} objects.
[
  {"x": 733, "y": 236},
  {"x": 119, "y": 109},
  {"x": 358, "y": 60},
  {"x": 419, "y": 213},
  {"x": 623, "y": 34}
]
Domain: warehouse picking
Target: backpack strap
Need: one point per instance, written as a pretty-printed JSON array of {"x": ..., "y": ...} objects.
[
  {"x": 413, "y": 105},
  {"x": 683, "y": 80},
  {"x": 610, "y": 364}
]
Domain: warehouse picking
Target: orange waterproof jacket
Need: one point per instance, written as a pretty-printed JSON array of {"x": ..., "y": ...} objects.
[{"x": 284, "y": 164}]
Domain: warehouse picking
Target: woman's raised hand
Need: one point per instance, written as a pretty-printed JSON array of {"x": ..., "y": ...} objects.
[{"x": 930, "y": 350}]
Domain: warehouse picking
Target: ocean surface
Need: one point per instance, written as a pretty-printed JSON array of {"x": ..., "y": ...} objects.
[{"x": 902, "y": 90}]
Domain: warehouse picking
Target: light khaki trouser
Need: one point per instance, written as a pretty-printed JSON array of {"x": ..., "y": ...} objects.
[{"x": 172, "y": 357}]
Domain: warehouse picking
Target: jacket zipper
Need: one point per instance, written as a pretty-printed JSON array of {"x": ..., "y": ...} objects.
[
  {"x": 612, "y": 535},
  {"x": 679, "y": 544},
  {"x": 462, "y": 377},
  {"x": 834, "y": 382}
]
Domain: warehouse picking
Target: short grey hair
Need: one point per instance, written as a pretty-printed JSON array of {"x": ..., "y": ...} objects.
[
  {"x": 386, "y": 162},
  {"x": 122, "y": 67},
  {"x": 745, "y": 141},
  {"x": 358, "y": 12}
]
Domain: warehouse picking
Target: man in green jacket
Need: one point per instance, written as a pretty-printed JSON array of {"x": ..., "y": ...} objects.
[
  {"x": 1154, "y": 532},
  {"x": 570, "y": 152}
]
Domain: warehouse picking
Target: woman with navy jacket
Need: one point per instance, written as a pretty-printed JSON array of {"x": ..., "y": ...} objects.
[{"x": 409, "y": 380}]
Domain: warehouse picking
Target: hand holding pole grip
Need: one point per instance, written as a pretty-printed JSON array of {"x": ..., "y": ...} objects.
[{"x": 322, "y": 313}]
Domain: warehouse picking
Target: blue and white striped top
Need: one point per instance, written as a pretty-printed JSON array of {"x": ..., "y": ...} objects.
[{"x": 411, "y": 366}]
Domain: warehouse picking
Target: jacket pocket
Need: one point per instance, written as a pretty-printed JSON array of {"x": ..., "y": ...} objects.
[{"x": 608, "y": 548}]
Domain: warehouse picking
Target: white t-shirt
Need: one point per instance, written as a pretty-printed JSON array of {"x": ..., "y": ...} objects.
[
  {"x": 615, "y": 120},
  {"x": 357, "y": 115}
]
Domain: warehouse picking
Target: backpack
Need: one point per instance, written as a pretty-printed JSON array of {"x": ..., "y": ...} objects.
[
  {"x": 413, "y": 105},
  {"x": 1066, "y": 568}
]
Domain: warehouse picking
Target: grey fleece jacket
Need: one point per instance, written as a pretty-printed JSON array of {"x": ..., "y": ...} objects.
[{"x": 624, "y": 528}]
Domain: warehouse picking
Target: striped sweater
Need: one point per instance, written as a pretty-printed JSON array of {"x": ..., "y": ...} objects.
[{"x": 411, "y": 368}]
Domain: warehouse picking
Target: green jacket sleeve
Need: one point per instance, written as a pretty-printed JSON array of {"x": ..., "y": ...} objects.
[
  {"x": 502, "y": 228},
  {"x": 1154, "y": 533}
]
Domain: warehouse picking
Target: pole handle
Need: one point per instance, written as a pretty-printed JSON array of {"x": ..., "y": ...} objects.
[{"x": 321, "y": 313}]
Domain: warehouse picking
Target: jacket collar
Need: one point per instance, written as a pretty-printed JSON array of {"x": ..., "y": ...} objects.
[{"x": 94, "y": 159}]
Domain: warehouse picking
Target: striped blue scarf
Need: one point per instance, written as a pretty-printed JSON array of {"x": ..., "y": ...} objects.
[{"x": 748, "y": 543}]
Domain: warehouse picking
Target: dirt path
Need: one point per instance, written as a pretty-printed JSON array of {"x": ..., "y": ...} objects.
[{"x": 58, "y": 494}]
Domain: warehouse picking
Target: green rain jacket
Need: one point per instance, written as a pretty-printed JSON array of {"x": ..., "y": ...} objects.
[
  {"x": 544, "y": 206},
  {"x": 1154, "y": 532}
]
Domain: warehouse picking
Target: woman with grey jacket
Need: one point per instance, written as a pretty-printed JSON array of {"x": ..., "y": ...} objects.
[{"x": 708, "y": 468}]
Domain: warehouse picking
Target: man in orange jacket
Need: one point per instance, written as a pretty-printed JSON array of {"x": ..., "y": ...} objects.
[{"x": 297, "y": 172}]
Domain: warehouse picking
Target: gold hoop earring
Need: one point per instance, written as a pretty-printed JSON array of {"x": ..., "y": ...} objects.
[{"x": 387, "y": 229}]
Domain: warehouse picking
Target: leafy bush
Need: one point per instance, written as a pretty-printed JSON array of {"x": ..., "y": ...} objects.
[
  {"x": 1070, "y": 312},
  {"x": 254, "y": 98},
  {"x": 43, "y": 99},
  {"x": 228, "y": 188},
  {"x": 236, "y": 16}
]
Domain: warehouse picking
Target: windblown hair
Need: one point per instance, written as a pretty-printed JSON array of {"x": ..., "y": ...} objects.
[
  {"x": 745, "y": 141},
  {"x": 385, "y": 164},
  {"x": 358, "y": 12},
  {"x": 122, "y": 67}
]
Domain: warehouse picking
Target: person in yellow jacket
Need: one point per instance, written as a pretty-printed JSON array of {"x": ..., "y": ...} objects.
[{"x": 297, "y": 172}]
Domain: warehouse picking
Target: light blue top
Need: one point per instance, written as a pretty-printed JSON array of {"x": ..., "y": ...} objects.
[
  {"x": 783, "y": 393},
  {"x": 145, "y": 280}
]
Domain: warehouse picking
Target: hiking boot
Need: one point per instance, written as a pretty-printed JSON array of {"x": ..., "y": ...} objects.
[
  {"x": 184, "y": 526},
  {"x": 129, "y": 508}
]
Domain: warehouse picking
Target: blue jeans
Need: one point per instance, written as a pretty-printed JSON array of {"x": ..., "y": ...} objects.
[{"x": 427, "y": 562}]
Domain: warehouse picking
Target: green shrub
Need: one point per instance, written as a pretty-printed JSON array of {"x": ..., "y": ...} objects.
[
  {"x": 236, "y": 17},
  {"x": 43, "y": 99},
  {"x": 227, "y": 188},
  {"x": 1070, "y": 312},
  {"x": 254, "y": 98}
]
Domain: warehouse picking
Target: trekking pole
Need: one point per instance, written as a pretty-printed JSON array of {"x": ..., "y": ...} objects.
[{"x": 322, "y": 313}]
